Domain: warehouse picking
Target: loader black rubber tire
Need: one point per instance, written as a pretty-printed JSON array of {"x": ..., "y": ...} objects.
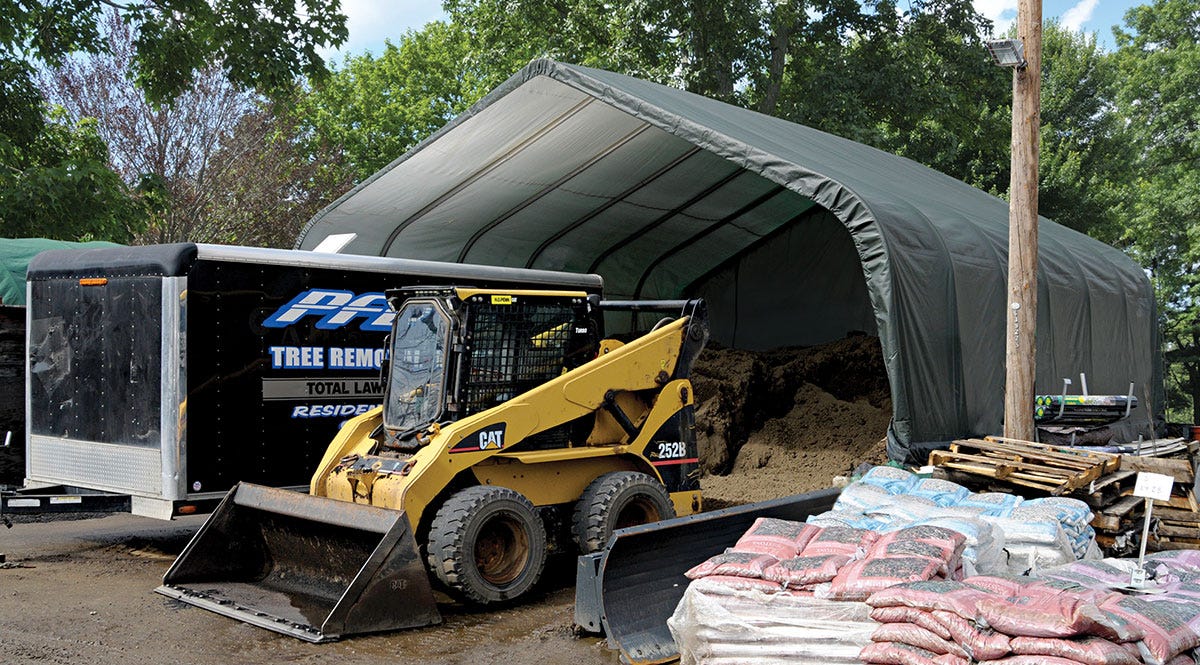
[
  {"x": 487, "y": 545},
  {"x": 614, "y": 501}
]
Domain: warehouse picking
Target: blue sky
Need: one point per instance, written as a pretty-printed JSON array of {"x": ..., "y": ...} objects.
[
  {"x": 373, "y": 21},
  {"x": 1094, "y": 16}
]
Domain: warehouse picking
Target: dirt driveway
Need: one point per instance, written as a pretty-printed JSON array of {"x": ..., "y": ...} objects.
[{"x": 80, "y": 593}]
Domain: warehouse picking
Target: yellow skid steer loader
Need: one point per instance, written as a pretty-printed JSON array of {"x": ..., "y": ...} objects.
[{"x": 510, "y": 428}]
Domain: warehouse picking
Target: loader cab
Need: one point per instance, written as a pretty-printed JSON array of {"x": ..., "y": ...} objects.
[{"x": 454, "y": 352}]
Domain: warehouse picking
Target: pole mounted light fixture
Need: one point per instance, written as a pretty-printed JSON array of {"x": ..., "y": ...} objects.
[{"x": 1007, "y": 52}]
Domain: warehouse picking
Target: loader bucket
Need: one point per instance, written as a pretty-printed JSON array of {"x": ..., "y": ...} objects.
[{"x": 306, "y": 566}]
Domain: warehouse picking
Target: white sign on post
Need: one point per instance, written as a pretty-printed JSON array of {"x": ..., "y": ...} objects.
[
  {"x": 1150, "y": 487},
  {"x": 1153, "y": 486}
]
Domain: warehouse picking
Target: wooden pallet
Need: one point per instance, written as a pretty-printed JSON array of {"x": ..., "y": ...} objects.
[
  {"x": 1176, "y": 522},
  {"x": 1108, "y": 489},
  {"x": 1118, "y": 516},
  {"x": 1065, "y": 455},
  {"x": 1179, "y": 469},
  {"x": 1052, "y": 469}
]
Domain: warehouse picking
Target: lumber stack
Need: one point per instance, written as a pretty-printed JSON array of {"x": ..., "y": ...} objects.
[
  {"x": 1104, "y": 480},
  {"x": 1176, "y": 523}
]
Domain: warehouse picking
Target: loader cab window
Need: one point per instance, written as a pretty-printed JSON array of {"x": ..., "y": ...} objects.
[{"x": 416, "y": 387}]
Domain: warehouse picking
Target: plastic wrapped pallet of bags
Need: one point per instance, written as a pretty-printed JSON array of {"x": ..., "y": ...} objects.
[
  {"x": 859, "y": 496},
  {"x": 1074, "y": 515},
  {"x": 715, "y": 625},
  {"x": 993, "y": 504},
  {"x": 859, "y": 579},
  {"x": 984, "y": 552},
  {"x": 781, "y": 539},
  {"x": 1102, "y": 574},
  {"x": 847, "y": 518},
  {"x": 1167, "y": 627},
  {"x": 903, "y": 510},
  {"x": 933, "y": 542},
  {"x": 1182, "y": 564},
  {"x": 941, "y": 492},
  {"x": 890, "y": 478},
  {"x": 1034, "y": 540}
]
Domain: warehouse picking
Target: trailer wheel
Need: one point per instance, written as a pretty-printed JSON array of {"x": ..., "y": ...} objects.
[
  {"x": 614, "y": 501},
  {"x": 487, "y": 545}
]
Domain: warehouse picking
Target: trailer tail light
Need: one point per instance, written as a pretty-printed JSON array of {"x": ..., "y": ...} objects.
[{"x": 93, "y": 281}]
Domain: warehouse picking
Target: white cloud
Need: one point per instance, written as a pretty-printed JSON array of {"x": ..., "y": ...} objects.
[
  {"x": 370, "y": 22},
  {"x": 1002, "y": 13},
  {"x": 1074, "y": 18}
]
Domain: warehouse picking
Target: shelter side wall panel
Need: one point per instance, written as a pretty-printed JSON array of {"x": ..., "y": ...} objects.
[
  {"x": 929, "y": 403},
  {"x": 980, "y": 298},
  {"x": 973, "y": 254}
]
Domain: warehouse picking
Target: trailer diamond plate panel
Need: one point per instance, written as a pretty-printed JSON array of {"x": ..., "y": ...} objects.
[{"x": 103, "y": 466}]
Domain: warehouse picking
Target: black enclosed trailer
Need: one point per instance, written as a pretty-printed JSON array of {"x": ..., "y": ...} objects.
[{"x": 169, "y": 373}]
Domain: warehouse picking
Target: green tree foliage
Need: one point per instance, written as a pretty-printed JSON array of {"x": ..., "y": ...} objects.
[
  {"x": 173, "y": 145},
  {"x": 265, "y": 183},
  {"x": 637, "y": 38},
  {"x": 1086, "y": 150},
  {"x": 59, "y": 186},
  {"x": 376, "y": 108},
  {"x": 261, "y": 45},
  {"x": 913, "y": 82},
  {"x": 1158, "y": 69}
]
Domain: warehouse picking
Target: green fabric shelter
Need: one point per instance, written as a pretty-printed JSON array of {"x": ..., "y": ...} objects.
[
  {"x": 794, "y": 236},
  {"x": 15, "y": 255}
]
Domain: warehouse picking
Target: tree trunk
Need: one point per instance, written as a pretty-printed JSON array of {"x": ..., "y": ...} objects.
[{"x": 781, "y": 38}]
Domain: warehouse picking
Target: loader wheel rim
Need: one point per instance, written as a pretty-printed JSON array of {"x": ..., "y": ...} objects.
[
  {"x": 501, "y": 550},
  {"x": 641, "y": 510}
]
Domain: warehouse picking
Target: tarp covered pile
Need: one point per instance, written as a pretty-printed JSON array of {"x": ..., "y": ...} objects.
[{"x": 15, "y": 255}]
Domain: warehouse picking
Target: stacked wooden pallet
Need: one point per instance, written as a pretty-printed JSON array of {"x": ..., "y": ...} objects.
[
  {"x": 1053, "y": 469},
  {"x": 1104, "y": 481}
]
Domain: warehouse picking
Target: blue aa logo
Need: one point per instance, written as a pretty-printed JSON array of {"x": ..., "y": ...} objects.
[{"x": 335, "y": 309}]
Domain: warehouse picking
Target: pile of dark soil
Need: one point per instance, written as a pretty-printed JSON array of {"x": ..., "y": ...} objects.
[{"x": 780, "y": 422}]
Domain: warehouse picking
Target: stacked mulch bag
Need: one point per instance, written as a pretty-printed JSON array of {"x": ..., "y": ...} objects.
[
  {"x": 1075, "y": 614},
  {"x": 791, "y": 592},
  {"x": 836, "y": 562}
]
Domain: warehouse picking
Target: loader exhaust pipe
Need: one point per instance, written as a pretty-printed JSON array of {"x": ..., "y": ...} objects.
[{"x": 306, "y": 566}]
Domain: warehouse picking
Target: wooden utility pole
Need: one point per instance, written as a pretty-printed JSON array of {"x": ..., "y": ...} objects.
[{"x": 1021, "y": 350}]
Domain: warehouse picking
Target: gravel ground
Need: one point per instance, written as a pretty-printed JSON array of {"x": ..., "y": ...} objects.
[{"x": 80, "y": 592}]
